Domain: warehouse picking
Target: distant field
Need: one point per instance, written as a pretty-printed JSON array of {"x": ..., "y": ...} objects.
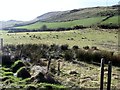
[
  {"x": 113, "y": 20},
  {"x": 102, "y": 39},
  {"x": 84, "y": 22}
]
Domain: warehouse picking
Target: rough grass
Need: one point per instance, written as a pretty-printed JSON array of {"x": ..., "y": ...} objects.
[
  {"x": 88, "y": 75},
  {"x": 87, "y": 37}
]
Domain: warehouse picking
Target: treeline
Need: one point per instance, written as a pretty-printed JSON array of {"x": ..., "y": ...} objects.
[
  {"x": 12, "y": 30},
  {"x": 102, "y": 26},
  {"x": 109, "y": 26}
]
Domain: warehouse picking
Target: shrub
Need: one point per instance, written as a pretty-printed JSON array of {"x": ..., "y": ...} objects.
[
  {"x": 75, "y": 47},
  {"x": 68, "y": 55},
  {"x": 80, "y": 54},
  {"x": 94, "y": 48},
  {"x": 86, "y": 47},
  {"x": 88, "y": 56},
  {"x": 6, "y": 61},
  {"x": 17, "y": 65},
  {"x": 116, "y": 60},
  {"x": 96, "y": 56},
  {"x": 23, "y": 73},
  {"x": 64, "y": 47}
]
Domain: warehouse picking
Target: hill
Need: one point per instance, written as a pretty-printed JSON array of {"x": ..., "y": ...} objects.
[
  {"x": 67, "y": 19},
  {"x": 10, "y": 23}
]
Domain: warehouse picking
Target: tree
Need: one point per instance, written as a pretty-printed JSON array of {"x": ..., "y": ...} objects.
[{"x": 44, "y": 27}]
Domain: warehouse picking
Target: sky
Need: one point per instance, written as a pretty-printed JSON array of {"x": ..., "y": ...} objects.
[{"x": 26, "y": 10}]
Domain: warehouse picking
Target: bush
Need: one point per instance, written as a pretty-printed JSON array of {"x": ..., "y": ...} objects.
[
  {"x": 6, "y": 61},
  {"x": 109, "y": 26},
  {"x": 75, "y": 47},
  {"x": 23, "y": 73},
  {"x": 17, "y": 65},
  {"x": 64, "y": 47},
  {"x": 96, "y": 56},
  {"x": 68, "y": 55},
  {"x": 86, "y": 47},
  {"x": 80, "y": 54}
]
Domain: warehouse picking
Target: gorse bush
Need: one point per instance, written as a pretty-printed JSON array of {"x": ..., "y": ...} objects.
[
  {"x": 68, "y": 55},
  {"x": 36, "y": 52}
]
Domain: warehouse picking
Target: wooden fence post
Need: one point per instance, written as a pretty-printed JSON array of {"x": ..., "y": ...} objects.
[
  {"x": 102, "y": 74},
  {"x": 1, "y": 44},
  {"x": 109, "y": 75},
  {"x": 49, "y": 62},
  {"x": 1, "y": 49},
  {"x": 58, "y": 68}
]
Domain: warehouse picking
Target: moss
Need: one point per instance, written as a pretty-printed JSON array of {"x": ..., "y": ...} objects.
[
  {"x": 17, "y": 65},
  {"x": 30, "y": 87},
  {"x": 8, "y": 73},
  {"x": 5, "y": 69},
  {"x": 51, "y": 86}
]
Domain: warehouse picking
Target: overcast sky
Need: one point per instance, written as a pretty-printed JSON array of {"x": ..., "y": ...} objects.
[{"x": 26, "y": 10}]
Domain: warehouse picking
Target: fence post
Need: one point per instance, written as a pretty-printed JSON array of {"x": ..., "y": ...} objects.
[
  {"x": 1, "y": 49},
  {"x": 58, "y": 68},
  {"x": 109, "y": 75},
  {"x": 1, "y": 45},
  {"x": 102, "y": 73},
  {"x": 49, "y": 62}
]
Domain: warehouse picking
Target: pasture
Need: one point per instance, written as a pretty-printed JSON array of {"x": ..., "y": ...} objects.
[
  {"x": 103, "y": 39},
  {"x": 85, "y": 22},
  {"x": 113, "y": 20}
]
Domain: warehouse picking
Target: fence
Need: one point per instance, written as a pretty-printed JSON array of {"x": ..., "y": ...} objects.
[{"x": 102, "y": 75}]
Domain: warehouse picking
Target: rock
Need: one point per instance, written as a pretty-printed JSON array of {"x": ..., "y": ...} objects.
[
  {"x": 36, "y": 69},
  {"x": 40, "y": 77},
  {"x": 23, "y": 73},
  {"x": 17, "y": 65},
  {"x": 50, "y": 79}
]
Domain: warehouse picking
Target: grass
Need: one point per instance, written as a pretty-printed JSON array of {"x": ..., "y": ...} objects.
[
  {"x": 88, "y": 75},
  {"x": 84, "y": 22},
  {"x": 113, "y": 20},
  {"x": 100, "y": 38}
]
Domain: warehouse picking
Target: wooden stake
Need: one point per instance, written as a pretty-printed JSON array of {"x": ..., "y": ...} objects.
[
  {"x": 102, "y": 74},
  {"x": 109, "y": 75}
]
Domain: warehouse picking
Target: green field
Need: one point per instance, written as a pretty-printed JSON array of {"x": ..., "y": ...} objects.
[
  {"x": 84, "y": 22},
  {"x": 113, "y": 20},
  {"x": 101, "y": 38}
]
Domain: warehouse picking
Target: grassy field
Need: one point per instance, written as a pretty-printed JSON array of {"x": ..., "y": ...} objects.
[
  {"x": 113, "y": 20},
  {"x": 101, "y": 38},
  {"x": 84, "y": 22}
]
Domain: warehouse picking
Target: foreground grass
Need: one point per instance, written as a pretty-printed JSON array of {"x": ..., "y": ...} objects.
[
  {"x": 88, "y": 75},
  {"x": 102, "y": 39}
]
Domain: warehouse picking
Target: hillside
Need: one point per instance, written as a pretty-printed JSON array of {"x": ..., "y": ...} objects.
[
  {"x": 10, "y": 23},
  {"x": 67, "y": 19},
  {"x": 77, "y": 14}
]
